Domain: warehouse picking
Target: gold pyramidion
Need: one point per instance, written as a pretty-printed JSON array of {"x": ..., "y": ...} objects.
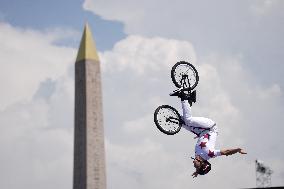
[{"x": 87, "y": 50}]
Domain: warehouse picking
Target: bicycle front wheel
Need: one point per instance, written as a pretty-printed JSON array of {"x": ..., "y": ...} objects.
[
  {"x": 167, "y": 119},
  {"x": 184, "y": 75}
]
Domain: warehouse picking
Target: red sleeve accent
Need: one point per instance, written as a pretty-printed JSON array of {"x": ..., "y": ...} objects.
[{"x": 211, "y": 154}]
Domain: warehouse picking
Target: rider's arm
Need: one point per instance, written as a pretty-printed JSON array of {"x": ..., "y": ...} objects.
[
  {"x": 228, "y": 152},
  {"x": 212, "y": 153}
]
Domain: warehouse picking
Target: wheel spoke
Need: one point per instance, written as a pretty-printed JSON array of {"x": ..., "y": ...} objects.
[
  {"x": 168, "y": 120},
  {"x": 184, "y": 68}
]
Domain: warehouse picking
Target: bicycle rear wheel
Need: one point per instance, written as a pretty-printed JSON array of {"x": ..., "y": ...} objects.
[
  {"x": 167, "y": 119},
  {"x": 184, "y": 75}
]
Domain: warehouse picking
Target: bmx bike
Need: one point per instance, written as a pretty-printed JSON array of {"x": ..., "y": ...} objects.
[{"x": 185, "y": 77}]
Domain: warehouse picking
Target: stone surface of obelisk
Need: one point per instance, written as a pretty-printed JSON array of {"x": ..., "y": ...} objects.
[{"x": 89, "y": 152}]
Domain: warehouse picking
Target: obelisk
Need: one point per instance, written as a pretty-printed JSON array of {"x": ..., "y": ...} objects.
[{"x": 89, "y": 152}]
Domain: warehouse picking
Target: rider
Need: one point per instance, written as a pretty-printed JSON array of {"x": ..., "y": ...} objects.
[{"x": 206, "y": 131}]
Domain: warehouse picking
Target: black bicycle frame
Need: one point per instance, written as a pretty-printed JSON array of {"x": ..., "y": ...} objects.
[{"x": 173, "y": 120}]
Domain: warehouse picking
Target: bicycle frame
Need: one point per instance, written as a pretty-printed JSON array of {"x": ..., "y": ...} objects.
[
  {"x": 173, "y": 119},
  {"x": 185, "y": 84}
]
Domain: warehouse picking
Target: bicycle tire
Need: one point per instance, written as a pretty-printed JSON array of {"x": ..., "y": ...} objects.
[
  {"x": 181, "y": 68},
  {"x": 170, "y": 123}
]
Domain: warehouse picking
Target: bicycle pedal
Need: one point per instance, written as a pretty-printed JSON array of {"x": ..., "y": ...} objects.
[{"x": 175, "y": 93}]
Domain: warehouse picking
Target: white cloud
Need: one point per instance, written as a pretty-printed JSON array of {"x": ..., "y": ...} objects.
[
  {"x": 225, "y": 27},
  {"x": 136, "y": 79},
  {"x": 262, "y": 8},
  {"x": 238, "y": 48},
  {"x": 36, "y": 115},
  {"x": 34, "y": 153},
  {"x": 146, "y": 54},
  {"x": 28, "y": 58},
  {"x": 117, "y": 10},
  {"x": 143, "y": 165},
  {"x": 179, "y": 17},
  {"x": 226, "y": 93}
]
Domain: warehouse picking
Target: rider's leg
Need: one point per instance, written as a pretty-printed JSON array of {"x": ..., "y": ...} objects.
[
  {"x": 187, "y": 117},
  {"x": 200, "y": 122},
  {"x": 196, "y": 125},
  {"x": 186, "y": 109}
]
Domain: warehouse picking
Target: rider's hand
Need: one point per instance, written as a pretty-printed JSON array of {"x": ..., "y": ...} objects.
[
  {"x": 241, "y": 151},
  {"x": 194, "y": 174}
]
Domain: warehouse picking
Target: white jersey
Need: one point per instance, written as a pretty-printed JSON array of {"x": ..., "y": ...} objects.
[{"x": 205, "y": 146}]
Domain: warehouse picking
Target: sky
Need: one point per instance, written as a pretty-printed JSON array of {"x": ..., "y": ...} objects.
[{"x": 236, "y": 46}]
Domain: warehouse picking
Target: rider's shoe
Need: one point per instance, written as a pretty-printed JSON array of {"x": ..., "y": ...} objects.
[
  {"x": 193, "y": 96},
  {"x": 181, "y": 95}
]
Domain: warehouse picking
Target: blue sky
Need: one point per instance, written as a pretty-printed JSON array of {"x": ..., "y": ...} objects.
[
  {"x": 44, "y": 15},
  {"x": 236, "y": 46}
]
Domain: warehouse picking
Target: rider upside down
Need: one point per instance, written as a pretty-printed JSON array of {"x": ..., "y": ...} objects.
[{"x": 206, "y": 131}]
